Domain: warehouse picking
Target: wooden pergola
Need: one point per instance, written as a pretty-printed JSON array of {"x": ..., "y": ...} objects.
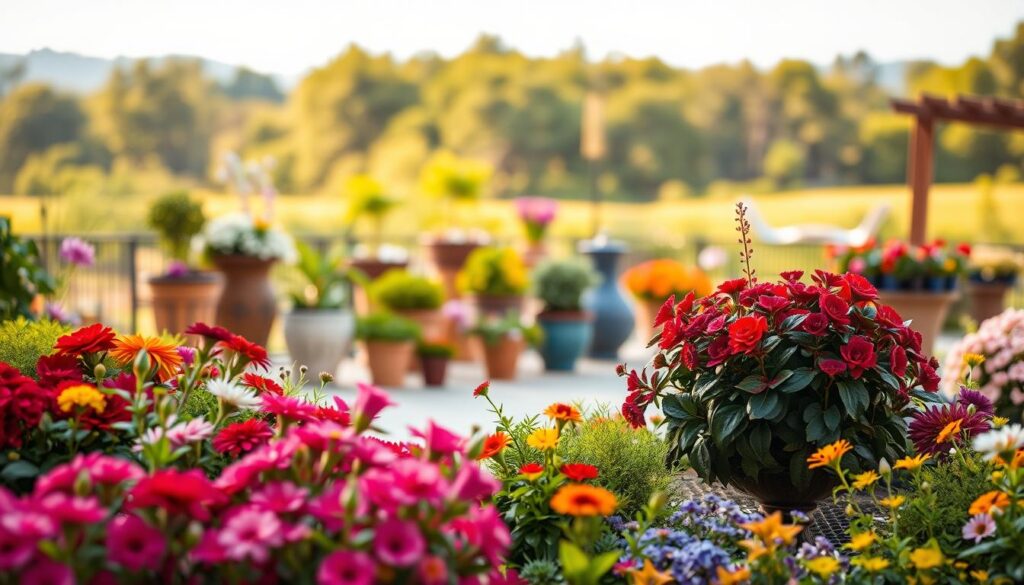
[{"x": 929, "y": 109}]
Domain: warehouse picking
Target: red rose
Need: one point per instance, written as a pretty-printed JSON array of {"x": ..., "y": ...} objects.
[
  {"x": 889, "y": 317},
  {"x": 859, "y": 355},
  {"x": 718, "y": 351},
  {"x": 732, "y": 286},
  {"x": 579, "y": 471},
  {"x": 746, "y": 332},
  {"x": 832, "y": 367},
  {"x": 898, "y": 361},
  {"x": 816, "y": 324},
  {"x": 860, "y": 288},
  {"x": 835, "y": 308},
  {"x": 92, "y": 339}
]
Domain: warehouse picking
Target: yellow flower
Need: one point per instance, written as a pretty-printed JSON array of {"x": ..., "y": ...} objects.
[
  {"x": 543, "y": 439},
  {"x": 755, "y": 549},
  {"x": 926, "y": 558},
  {"x": 829, "y": 454},
  {"x": 822, "y": 566},
  {"x": 863, "y": 480},
  {"x": 83, "y": 396},
  {"x": 999, "y": 421},
  {"x": 980, "y": 575},
  {"x": 997, "y": 475},
  {"x": 892, "y": 502},
  {"x": 771, "y": 528},
  {"x": 648, "y": 575},
  {"x": 871, "y": 564},
  {"x": 862, "y": 540},
  {"x": 734, "y": 577},
  {"x": 164, "y": 355},
  {"x": 973, "y": 360},
  {"x": 949, "y": 431},
  {"x": 912, "y": 463}
]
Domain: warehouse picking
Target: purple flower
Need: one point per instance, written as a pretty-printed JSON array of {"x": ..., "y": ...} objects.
[
  {"x": 77, "y": 252},
  {"x": 979, "y": 401},
  {"x": 177, "y": 269},
  {"x": 57, "y": 312},
  {"x": 188, "y": 354}
]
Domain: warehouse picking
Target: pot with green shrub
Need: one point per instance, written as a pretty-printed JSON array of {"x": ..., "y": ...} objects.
[
  {"x": 434, "y": 358},
  {"x": 503, "y": 340},
  {"x": 318, "y": 330},
  {"x": 414, "y": 297},
  {"x": 497, "y": 279},
  {"x": 182, "y": 295},
  {"x": 567, "y": 327},
  {"x": 389, "y": 343}
]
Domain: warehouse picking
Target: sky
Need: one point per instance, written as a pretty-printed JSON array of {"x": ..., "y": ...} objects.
[{"x": 289, "y": 37}]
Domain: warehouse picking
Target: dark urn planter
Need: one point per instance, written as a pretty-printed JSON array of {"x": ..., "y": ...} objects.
[
  {"x": 776, "y": 492},
  {"x": 613, "y": 316},
  {"x": 247, "y": 305},
  {"x": 566, "y": 336},
  {"x": 435, "y": 370}
]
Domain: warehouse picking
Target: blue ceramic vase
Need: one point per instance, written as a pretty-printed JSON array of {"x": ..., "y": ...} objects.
[
  {"x": 613, "y": 315},
  {"x": 566, "y": 337}
]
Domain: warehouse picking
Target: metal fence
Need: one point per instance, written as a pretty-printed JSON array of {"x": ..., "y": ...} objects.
[{"x": 114, "y": 290}]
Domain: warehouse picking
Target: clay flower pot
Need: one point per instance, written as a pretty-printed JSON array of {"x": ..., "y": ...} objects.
[
  {"x": 179, "y": 301},
  {"x": 502, "y": 357},
  {"x": 926, "y": 310},
  {"x": 497, "y": 305},
  {"x": 447, "y": 258},
  {"x": 318, "y": 338},
  {"x": 373, "y": 268},
  {"x": 435, "y": 370},
  {"x": 987, "y": 299},
  {"x": 247, "y": 305},
  {"x": 389, "y": 361},
  {"x": 431, "y": 321}
]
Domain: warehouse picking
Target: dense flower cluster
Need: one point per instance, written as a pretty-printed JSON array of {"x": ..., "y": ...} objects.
[
  {"x": 899, "y": 265},
  {"x": 1000, "y": 374},
  {"x": 656, "y": 280},
  {"x": 239, "y": 233}
]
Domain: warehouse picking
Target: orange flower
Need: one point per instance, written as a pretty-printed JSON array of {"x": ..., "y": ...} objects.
[
  {"x": 577, "y": 499},
  {"x": 727, "y": 577},
  {"x": 649, "y": 575},
  {"x": 563, "y": 412},
  {"x": 949, "y": 431},
  {"x": 658, "y": 279},
  {"x": 772, "y": 528},
  {"x": 912, "y": 463},
  {"x": 494, "y": 445},
  {"x": 162, "y": 354},
  {"x": 829, "y": 454},
  {"x": 989, "y": 502}
]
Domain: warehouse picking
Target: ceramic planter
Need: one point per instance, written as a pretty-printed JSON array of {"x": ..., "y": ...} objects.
[
  {"x": 497, "y": 305},
  {"x": 435, "y": 370},
  {"x": 566, "y": 336},
  {"x": 373, "y": 268},
  {"x": 502, "y": 357},
  {"x": 318, "y": 338},
  {"x": 987, "y": 299},
  {"x": 389, "y": 361},
  {"x": 447, "y": 258},
  {"x": 183, "y": 300},
  {"x": 613, "y": 317},
  {"x": 926, "y": 310},
  {"x": 247, "y": 306}
]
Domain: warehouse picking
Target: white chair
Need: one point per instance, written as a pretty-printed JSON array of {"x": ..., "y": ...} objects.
[{"x": 816, "y": 233}]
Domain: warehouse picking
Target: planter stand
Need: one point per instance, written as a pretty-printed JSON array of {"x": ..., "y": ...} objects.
[{"x": 926, "y": 310}]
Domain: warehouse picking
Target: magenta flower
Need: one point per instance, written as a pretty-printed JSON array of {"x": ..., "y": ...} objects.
[
  {"x": 483, "y": 529},
  {"x": 289, "y": 408},
  {"x": 134, "y": 544},
  {"x": 281, "y": 497},
  {"x": 418, "y": 481},
  {"x": 20, "y": 533},
  {"x": 249, "y": 534},
  {"x": 72, "y": 509},
  {"x": 99, "y": 468},
  {"x": 439, "y": 440},
  {"x": 472, "y": 483},
  {"x": 345, "y": 567},
  {"x": 370, "y": 400},
  {"x": 188, "y": 354},
  {"x": 398, "y": 542},
  {"x": 177, "y": 269},
  {"x": 536, "y": 214},
  {"x": 979, "y": 527},
  {"x": 77, "y": 252},
  {"x": 45, "y": 571}
]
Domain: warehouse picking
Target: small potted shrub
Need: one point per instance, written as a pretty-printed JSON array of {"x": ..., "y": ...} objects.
[
  {"x": 503, "y": 340},
  {"x": 182, "y": 295},
  {"x": 368, "y": 202},
  {"x": 567, "y": 327},
  {"x": 389, "y": 342},
  {"x": 496, "y": 278},
  {"x": 991, "y": 273},
  {"x": 652, "y": 282},
  {"x": 414, "y": 297},
  {"x": 319, "y": 327},
  {"x": 434, "y": 358}
]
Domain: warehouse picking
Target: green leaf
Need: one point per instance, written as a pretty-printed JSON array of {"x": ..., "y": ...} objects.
[
  {"x": 854, "y": 396},
  {"x": 780, "y": 378},
  {"x": 726, "y": 421},
  {"x": 688, "y": 434},
  {"x": 671, "y": 407},
  {"x": 574, "y": 561},
  {"x": 601, "y": 564},
  {"x": 16, "y": 470},
  {"x": 832, "y": 418},
  {"x": 800, "y": 379},
  {"x": 761, "y": 443},
  {"x": 700, "y": 458},
  {"x": 754, "y": 384},
  {"x": 888, "y": 378},
  {"x": 762, "y": 405},
  {"x": 798, "y": 472}
]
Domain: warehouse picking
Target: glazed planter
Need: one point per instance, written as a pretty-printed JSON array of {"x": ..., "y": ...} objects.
[
  {"x": 447, "y": 258},
  {"x": 388, "y": 361},
  {"x": 567, "y": 335},
  {"x": 435, "y": 370},
  {"x": 987, "y": 298},
  {"x": 180, "y": 301},
  {"x": 502, "y": 357},
  {"x": 247, "y": 306},
  {"x": 646, "y": 311},
  {"x": 497, "y": 305},
  {"x": 373, "y": 268},
  {"x": 613, "y": 317},
  {"x": 776, "y": 492},
  {"x": 926, "y": 310},
  {"x": 318, "y": 338}
]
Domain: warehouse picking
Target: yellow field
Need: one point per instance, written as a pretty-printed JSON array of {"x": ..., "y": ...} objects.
[{"x": 956, "y": 213}]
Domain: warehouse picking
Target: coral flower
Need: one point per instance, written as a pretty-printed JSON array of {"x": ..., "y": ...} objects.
[
  {"x": 563, "y": 413},
  {"x": 579, "y": 471},
  {"x": 250, "y": 352},
  {"x": 989, "y": 502},
  {"x": 543, "y": 439},
  {"x": 583, "y": 500},
  {"x": 91, "y": 339},
  {"x": 161, "y": 353},
  {"x": 81, "y": 396},
  {"x": 494, "y": 444},
  {"x": 829, "y": 454},
  {"x": 531, "y": 471}
]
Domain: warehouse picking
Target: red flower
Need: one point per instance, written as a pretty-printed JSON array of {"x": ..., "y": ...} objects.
[
  {"x": 288, "y": 407},
  {"x": 718, "y": 351},
  {"x": 666, "y": 312},
  {"x": 898, "y": 361},
  {"x": 928, "y": 378},
  {"x": 336, "y": 414},
  {"x": 632, "y": 412},
  {"x": 889, "y": 317},
  {"x": 816, "y": 324},
  {"x": 531, "y": 470},
  {"x": 689, "y": 356},
  {"x": 746, "y": 332},
  {"x": 579, "y": 471},
  {"x": 176, "y": 492},
  {"x": 251, "y": 352},
  {"x": 832, "y": 367},
  {"x": 964, "y": 249},
  {"x": 22, "y": 404},
  {"x": 835, "y": 308},
  {"x": 792, "y": 275},
  {"x": 686, "y": 304},
  {"x": 860, "y": 288},
  {"x": 92, "y": 339},
  {"x": 261, "y": 384},
  {"x": 54, "y": 369},
  {"x": 772, "y": 303},
  {"x": 482, "y": 389},
  {"x": 859, "y": 355},
  {"x": 732, "y": 286},
  {"x": 210, "y": 332},
  {"x": 242, "y": 437}
]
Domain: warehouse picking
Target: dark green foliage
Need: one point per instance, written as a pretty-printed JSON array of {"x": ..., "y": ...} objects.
[
  {"x": 22, "y": 342},
  {"x": 542, "y": 572},
  {"x": 386, "y": 327},
  {"x": 440, "y": 350},
  {"x": 22, "y": 277},
  {"x": 561, "y": 283}
]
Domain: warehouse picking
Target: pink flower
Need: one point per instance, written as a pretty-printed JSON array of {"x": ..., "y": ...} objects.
[
  {"x": 99, "y": 468},
  {"x": 72, "y": 509},
  {"x": 483, "y": 528},
  {"x": 346, "y": 567},
  {"x": 188, "y": 354},
  {"x": 186, "y": 433},
  {"x": 370, "y": 400},
  {"x": 20, "y": 533},
  {"x": 134, "y": 544},
  {"x": 281, "y": 497},
  {"x": 77, "y": 252},
  {"x": 472, "y": 483},
  {"x": 433, "y": 570},
  {"x": 249, "y": 534},
  {"x": 43, "y": 571},
  {"x": 287, "y": 407},
  {"x": 417, "y": 481},
  {"x": 979, "y": 527},
  {"x": 398, "y": 542},
  {"x": 439, "y": 440}
]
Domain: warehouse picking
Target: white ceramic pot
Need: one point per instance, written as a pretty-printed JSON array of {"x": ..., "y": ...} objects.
[{"x": 318, "y": 338}]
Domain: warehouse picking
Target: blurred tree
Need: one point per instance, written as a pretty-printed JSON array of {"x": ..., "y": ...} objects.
[
  {"x": 785, "y": 163},
  {"x": 33, "y": 118},
  {"x": 249, "y": 84}
]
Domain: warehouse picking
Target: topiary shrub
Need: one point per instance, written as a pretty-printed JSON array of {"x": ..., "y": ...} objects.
[
  {"x": 23, "y": 342},
  {"x": 177, "y": 218},
  {"x": 399, "y": 290},
  {"x": 386, "y": 327},
  {"x": 561, "y": 283}
]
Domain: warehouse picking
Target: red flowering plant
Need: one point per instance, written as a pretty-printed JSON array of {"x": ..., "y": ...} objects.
[{"x": 754, "y": 378}]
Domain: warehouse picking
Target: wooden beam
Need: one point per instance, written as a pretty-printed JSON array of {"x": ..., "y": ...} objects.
[{"x": 919, "y": 174}]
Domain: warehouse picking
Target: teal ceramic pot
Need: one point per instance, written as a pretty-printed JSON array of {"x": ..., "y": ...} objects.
[
  {"x": 613, "y": 315},
  {"x": 566, "y": 337}
]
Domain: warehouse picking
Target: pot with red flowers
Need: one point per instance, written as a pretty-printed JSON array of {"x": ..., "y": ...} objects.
[{"x": 755, "y": 377}]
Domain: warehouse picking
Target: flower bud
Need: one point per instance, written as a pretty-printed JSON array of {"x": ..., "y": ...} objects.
[
  {"x": 884, "y": 468},
  {"x": 303, "y": 369},
  {"x": 100, "y": 371},
  {"x": 326, "y": 378}
]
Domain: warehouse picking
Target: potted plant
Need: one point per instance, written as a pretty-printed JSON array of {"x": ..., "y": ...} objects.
[
  {"x": 536, "y": 213},
  {"x": 389, "y": 342},
  {"x": 182, "y": 295},
  {"x": 567, "y": 327},
  {"x": 434, "y": 358},
  {"x": 992, "y": 272},
  {"x": 503, "y": 339},
  {"x": 755, "y": 377},
  {"x": 654, "y": 281},
  {"x": 414, "y": 297},
  {"x": 318, "y": 329},
  {"x": 457, "y": 182},
  {"x": 496, "y": 278},
  {"x": 369, "y": 202}
]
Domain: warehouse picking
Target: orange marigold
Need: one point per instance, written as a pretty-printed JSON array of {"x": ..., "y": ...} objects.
[
  {"x": 563, "y": 412},
  {"x": 989, "y": 502},
  {"x": 494, "y": 444},
  {"x": 579, "y": 499},
  {"x": 829, "y": 454},
  {"x": 162, "y": 354}
]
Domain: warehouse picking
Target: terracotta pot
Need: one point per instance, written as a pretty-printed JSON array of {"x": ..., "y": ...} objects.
[
  {"x": 501, "y": 357},
  {"x": 247, "y": 306},
  {"x": 497, "y": 305},
  {"x": 926, "y": 310},
  {"x": 373, "y": 269},
  {"x": 465, "y": 348},
  {"x": 318, "y": 338},
  {"x": 646, "y": 311},
  {"x": 987, "y": 299},
  {"x": 388, "y": 361},
  {"x": 431, "y": 321},
  {"x": 183, "y": 300},
  {"x": 435, "y": 370},
  {"x": 447, "y": 259},
  {"x": 776, "y": 492}
]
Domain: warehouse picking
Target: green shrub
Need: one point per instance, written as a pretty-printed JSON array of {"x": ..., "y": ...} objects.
[
  {"x": 22, "y": 276},
  {"x": 399, "y": 290},
  {"x": 938, "y": 501},
  {"x": 631, "y": 461},
  {"x": 492, "y": 331},
  {"x": 22, "y": 342},
  {"x": 440, "y": 350},
  {"x": 177, "y": 218},
  {"x": 386, "y": 327},
  {"x": 561, "y": 283}
]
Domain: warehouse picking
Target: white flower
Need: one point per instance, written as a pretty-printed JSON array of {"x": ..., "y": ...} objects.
[
  {"x": 189, "y": 432},
  {"x": 1006, "y": 439},
  {"x": 236, "y": 233},
  {"x": 149, "y": 437},
  {"x": 233, "y": 394}
]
